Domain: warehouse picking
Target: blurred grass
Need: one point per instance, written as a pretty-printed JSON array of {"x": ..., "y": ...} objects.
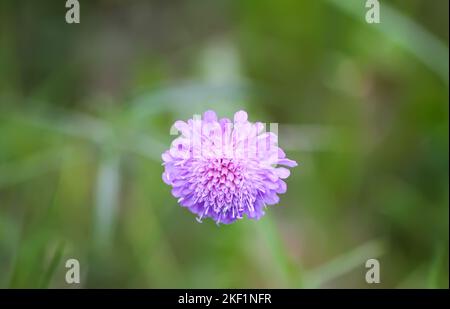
[
  {"x": 407, "y": 33},
  {"x": 343, "y": 264},
  {"x": 55, "y": 262},
  {"x": 85, "y": 113}
]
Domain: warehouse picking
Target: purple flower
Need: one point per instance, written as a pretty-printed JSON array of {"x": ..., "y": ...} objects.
[{"x": 225, "y": 170}]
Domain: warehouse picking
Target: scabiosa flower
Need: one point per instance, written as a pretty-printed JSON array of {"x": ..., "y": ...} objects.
[{"x": 225, "y": 170}]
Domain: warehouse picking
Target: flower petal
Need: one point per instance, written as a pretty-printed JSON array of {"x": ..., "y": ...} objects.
[{"x": 282, "y": 172}]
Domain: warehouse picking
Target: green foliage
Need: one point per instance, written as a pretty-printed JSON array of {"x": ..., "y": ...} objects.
[{"x": 85, "y": 112}]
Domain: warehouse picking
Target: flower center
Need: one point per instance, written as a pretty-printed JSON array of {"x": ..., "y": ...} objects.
[
  {"x": 220, "y": 185},
  {"x": 223, "y": 175}
]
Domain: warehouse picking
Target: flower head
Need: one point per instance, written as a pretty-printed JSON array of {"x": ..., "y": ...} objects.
[{"x": 225, "y": 170}]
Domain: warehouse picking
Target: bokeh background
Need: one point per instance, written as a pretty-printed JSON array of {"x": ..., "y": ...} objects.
[{"x": 85, "y": 113}]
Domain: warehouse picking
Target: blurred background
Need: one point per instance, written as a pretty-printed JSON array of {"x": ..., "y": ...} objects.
[{"x": 86, "y": 109}]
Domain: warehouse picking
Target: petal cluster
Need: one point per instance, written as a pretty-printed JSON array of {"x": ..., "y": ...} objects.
[{"x": 224, "y": 169}]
